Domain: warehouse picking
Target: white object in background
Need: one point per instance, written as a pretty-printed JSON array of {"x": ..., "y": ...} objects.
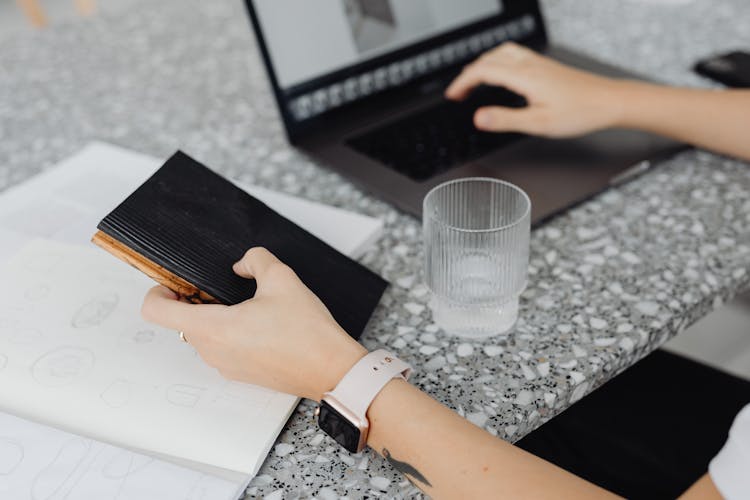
[
  {"x": 66, "y": 203},
  {"x": 41, "y": 462}
]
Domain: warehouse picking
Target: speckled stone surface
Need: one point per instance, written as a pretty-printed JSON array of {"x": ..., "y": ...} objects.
[{"x": 609, "y": 281}]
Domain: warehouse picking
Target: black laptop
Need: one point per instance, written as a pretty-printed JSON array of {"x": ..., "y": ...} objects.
[{"x": 359, "y": 85}]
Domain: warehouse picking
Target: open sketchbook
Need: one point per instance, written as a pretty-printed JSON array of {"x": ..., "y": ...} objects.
[
  {"x": 41, "y": 462},
  {"x": 77, "y": 356},
  {"x": 74, "y": 353}
]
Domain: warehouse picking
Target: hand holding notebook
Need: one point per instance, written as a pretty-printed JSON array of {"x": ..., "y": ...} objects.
[
  {"x": 186, "y": 226},
  {"x": 146, "y": 390},
  {"x": 258, "y": 341}
]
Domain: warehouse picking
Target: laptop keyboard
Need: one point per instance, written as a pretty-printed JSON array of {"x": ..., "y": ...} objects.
[{"x": 433, "y": 140}]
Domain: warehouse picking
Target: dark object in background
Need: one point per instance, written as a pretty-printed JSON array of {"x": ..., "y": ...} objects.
[
  {"x": 186, "y": 226},
  {"x": 648, "y": 433},
  {"x": 731, "y": 69}
]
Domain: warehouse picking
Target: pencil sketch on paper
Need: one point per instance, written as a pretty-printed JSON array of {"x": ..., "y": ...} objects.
[
  {"x": 42, "y": 463},
  {"x": 124, "y": 464},
  {"x": 94, "y": 312},
  {"x": 250, "y": 396},
  {"x": 51, "y": 479},
  {"x": 23, "y": 336},
  {"x": 37, "y": 292},
  {"x": 204, "y": 488},
  {"x": 11, "y": 456},
  {"x": 117, "y": 394},
  {"x": 63, "y": 366},
  {"x": 184, "y": 395},
  {"x": 7, "y": 328},
  {"x": 143, "y": 336}
]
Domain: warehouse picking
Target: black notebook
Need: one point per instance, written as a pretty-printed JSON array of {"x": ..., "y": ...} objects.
[{"x": 186, "y": 226}]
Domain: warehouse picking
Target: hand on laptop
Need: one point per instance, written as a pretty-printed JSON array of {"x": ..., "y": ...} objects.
[
  {"x": 284, "y": 338},
  {"x": 565, "y": 102},
  {"x": 562, "y": 101}
]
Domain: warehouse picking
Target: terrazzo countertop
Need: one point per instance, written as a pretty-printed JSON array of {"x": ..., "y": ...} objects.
[{"x": 609, "y": 281}]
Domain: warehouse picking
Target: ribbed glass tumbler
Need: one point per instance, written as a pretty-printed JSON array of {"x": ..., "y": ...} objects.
[{"x": 476, "y": 239}]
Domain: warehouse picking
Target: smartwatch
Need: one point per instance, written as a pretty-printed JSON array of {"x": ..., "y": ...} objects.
[{"x": 342, "y": 413}]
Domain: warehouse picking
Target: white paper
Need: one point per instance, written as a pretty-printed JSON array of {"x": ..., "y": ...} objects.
[
  {"x": 68, "y": 201},
  {"x": 41, "y": 462},
  {"x": 77, "y": 356},
  {"x": 74, "y": 353}
]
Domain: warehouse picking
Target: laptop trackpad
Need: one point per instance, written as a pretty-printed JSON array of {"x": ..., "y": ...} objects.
[{"x": 559, "y": 173}]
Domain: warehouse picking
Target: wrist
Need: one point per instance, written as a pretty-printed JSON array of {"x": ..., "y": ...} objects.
[
  {"x": 339, "y": 360},
  {"x": 627, "y": 96},
  {"x": 342, "y": 413},
  {"x": 614, "y": 101}
]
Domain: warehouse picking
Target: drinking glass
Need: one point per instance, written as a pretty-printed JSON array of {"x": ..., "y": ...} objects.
[{"x": 476, "y": 239}]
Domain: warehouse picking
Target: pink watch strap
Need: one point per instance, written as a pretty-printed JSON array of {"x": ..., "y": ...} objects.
[{"x": 365, "y": 380}]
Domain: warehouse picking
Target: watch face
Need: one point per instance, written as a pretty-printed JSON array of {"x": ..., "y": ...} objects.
[{"x": 339, "y": 428}]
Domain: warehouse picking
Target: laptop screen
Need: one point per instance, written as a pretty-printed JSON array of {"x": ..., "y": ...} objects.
[
  {"x": 324, "y": 36},
  {"x": 325, "y": 54}
]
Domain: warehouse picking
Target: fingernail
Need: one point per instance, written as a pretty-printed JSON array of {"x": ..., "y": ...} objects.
[{"x": 483, "y": 119}]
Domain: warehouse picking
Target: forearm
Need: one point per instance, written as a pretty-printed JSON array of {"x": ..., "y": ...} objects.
[
  {"x": 714, "y": 120},
  {"x": 448, "y": 457}
]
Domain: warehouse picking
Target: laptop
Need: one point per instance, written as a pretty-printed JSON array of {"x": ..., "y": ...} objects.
[{"x": 359, "y": 85}]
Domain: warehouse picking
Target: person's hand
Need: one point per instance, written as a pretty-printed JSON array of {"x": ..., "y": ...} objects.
[
  {"x": 284, "y": 338},
  {"x": 562, "y": 101}
]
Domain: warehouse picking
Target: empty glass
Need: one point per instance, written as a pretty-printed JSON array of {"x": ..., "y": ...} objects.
[{"x": 476, "y": 236}]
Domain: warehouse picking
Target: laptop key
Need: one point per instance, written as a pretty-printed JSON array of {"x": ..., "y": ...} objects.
[{"x": 437, "y": 138}]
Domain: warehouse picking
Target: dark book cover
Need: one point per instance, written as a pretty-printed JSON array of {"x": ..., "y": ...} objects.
[{"x": 186, "y": 226}]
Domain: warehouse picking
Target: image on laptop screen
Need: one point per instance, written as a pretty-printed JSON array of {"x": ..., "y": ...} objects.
[{"x": 307, "y": 39}]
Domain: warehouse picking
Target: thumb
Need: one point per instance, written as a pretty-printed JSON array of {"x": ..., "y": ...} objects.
[
  {"x": 501, "y": 119},
  {"x": 255, "y": 263},
  {"x": 269, "y": 272}
]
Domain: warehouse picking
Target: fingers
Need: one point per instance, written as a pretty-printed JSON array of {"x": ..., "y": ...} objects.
[
  {"x": 163, "y": 307},
  {"x": 499, "y": 67},
  {"x": 255, "y": 263},
  {"x": 474, "y": 75},
  {"x": 270, "y": 273},
  {"x": 500, "y": 119}
]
